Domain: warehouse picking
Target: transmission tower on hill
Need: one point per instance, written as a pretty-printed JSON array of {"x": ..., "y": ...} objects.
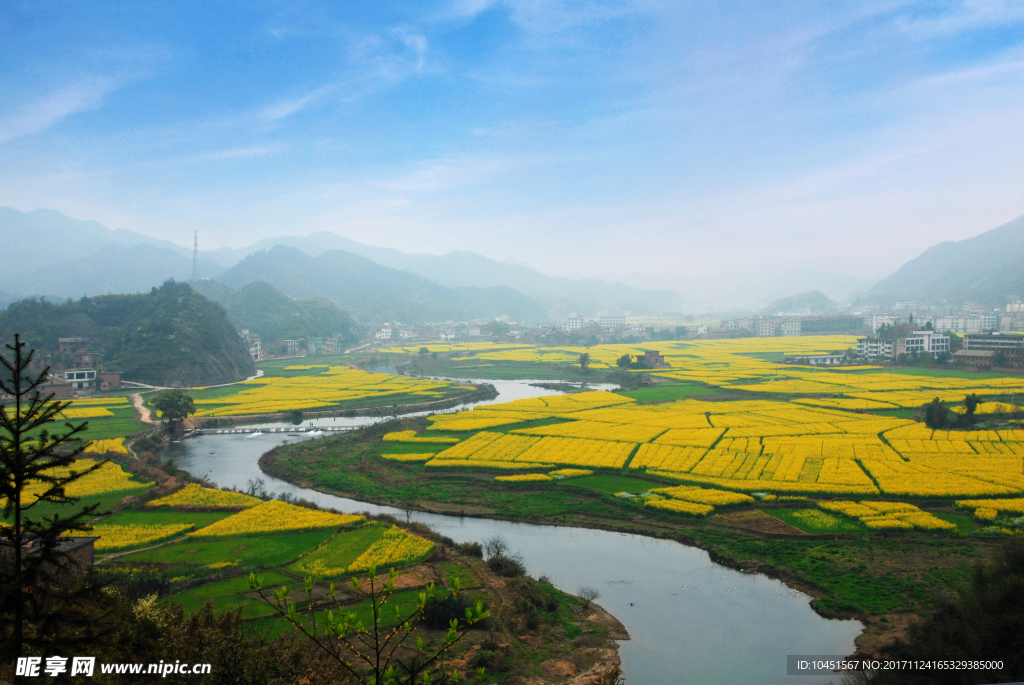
[{"x": 195, "y": 256}]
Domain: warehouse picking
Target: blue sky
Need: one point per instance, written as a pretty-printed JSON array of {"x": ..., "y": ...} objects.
[{"x": 655, "y": 139}]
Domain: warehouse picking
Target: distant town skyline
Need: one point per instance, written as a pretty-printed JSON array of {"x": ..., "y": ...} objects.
[{"x": 585, "y": 139}]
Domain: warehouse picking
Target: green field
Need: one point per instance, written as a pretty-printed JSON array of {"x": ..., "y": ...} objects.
[
  {"x": 106, "y": 500},
  {"x": 141, "y": 517},
  {"x": 256, "y": 551},
  {"x": 228, "y": 594},
  {"x": 342, "y": 549},
  {"x": 816, "y": 521},
  {"x": 667, "y": 392},
  {"x": 121, "y": 424},
  {"x": 964, "y": 524}
]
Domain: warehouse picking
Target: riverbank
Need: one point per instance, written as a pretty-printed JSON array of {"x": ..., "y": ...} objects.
[
  {"x": 882, "y": 581},
  {"x": 536, "y": 633}
]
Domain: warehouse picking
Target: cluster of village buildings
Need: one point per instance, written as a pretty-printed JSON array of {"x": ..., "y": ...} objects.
[{"x": 971, "y": 336}]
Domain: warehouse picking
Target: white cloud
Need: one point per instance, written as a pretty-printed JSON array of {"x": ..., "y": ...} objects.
[{"x": 85, "y": 94}]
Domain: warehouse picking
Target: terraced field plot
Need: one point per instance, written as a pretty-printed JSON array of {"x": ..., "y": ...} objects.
[
  {"x": 750, "y": 445},
  {"x": 109, "y": 418},
  {"x": 244, "y": 552}
]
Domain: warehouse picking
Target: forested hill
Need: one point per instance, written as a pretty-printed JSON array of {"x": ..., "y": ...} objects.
[
  {"x": 265, "y": 310},
  {"x": 986, "y": 269},
  {"x": 814, "y": 301},
  {"x": 171, "y": 335},
  {"x": 372, "y": 292}
]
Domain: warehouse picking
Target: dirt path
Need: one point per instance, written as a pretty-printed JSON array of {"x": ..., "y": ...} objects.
[
  {"x": 115, "y": 555},
  {"x": 141, "y": 410}
]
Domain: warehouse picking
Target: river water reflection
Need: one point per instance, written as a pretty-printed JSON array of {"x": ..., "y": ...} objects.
[{"x": 690, "y": 620}]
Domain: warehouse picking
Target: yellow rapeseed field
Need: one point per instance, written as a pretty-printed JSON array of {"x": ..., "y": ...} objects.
[
  {"x": 716, "y": 498},
  {"x": 409, "y": 457},
  {"x": 888, "y": 515},
  {"x": 335, "y": 385},
  {"x": 802, "y": 430},
  {"x": 681, "y": 506},
  {"x": 411, "y": 436},
  {"x": 571, "y": 473},
  {"x": 104, "y": 446},
  {"x": 524, "y": 478},
  {"x": 396, "y": 547},
  {"x": 76, "y": 412},
  {"x": 113, "y": 538},
  {"x": 275, "y": 516},
  {"x": 751, "y": 445},
  {"x": 1002, "y": 506},
  {"x": 194, "y": 494}
]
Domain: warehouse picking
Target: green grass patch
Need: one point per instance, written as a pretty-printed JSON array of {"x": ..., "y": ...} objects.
[
  {"x": 271, "y": 627},
  {"x": 467, "y": 577},
  {"x": 247, "y": 552},
  {"x": 137, "y": 517},
  {"x": 277, "y": 626},
  {"x": 613, "y": 484},
  {"x": 106, "y": 500},
  {"x": 123, "y": 423},
  {"x": 816, "y": 521},
  {"x": 667, "y": 392},
  {"x": 228, "y": 594},
  {"x": 964, "y": 524},
  {"x": 859, "y": 575},
  {"x": 341, "y": 550},
  {"x": 405, "y": 599}
]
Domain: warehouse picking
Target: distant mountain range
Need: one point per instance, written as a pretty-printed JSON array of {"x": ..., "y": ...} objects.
[
  {"x": 71, "y": 258},
  {"x": 65, "y": 257},
  {"x": 987, "y": 269},
  {"x": 371, "y": 292}
]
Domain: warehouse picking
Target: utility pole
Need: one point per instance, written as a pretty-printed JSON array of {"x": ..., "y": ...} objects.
[{"x": 195, "y": 256}]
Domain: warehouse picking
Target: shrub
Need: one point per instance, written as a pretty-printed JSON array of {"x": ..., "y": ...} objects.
[
  {"x": 506, "y": 567},
  {"x": 471, "y": 549}
]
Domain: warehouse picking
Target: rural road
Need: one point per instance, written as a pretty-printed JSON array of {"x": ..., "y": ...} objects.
[{"x": 141, "y": 409}]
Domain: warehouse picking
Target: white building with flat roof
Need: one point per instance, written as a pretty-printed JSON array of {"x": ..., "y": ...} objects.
[
  {"x": 79, "y": 379},
  {"x": 923, "y": 342},
  {"x": 573, "y": 323},
  {"x": 876, "y": 348},
  {"x": 611, "y": 323}
]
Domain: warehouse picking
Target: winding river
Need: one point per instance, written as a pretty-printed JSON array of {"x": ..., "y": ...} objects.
[{"x": 690, "y": 620}]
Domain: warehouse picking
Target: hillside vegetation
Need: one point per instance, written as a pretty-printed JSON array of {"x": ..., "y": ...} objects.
[
  {"x": 265, "y": 310},
  {"x": 168, "y": 335},
  {"x": 814, "y": 301}
]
